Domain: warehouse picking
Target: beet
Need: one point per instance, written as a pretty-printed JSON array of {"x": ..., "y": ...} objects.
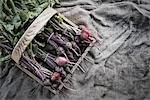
[
  {"x": 55, "y": 76},
  {"x": 84, "y": 32},
  {"x": 61, "y": 61}
]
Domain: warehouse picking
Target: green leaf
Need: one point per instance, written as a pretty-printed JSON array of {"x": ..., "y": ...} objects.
[
  {"x": 24, "y": 15},
  {"x": 16, "y": 21},
  {"x": 4, "y": 58},
  {"x": 15, "y": 40},
  {"x": 9, "y": 28}
]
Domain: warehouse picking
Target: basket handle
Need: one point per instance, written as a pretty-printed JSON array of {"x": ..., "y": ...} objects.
[{"x": 31, "y": 32}]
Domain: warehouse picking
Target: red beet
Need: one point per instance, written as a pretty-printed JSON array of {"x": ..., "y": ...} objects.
[
  {"x": 55, "y": 76},
  {"x": 85, "y": 35},
  {"x": 84, "y": 32},
  {"x": 61, "y": 61}
]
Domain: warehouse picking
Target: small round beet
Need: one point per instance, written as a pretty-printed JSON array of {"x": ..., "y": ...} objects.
[
  {"x": 61, "y": 61},
  {"x": 55, "y": 76},
  {"x": 84, "y": 32},
  {"x": 84, "y": 35}
]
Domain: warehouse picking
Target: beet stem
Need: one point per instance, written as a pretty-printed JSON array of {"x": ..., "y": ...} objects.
[
  {"x": 78, "y": 66},
  {"x": 67, "y": 87}
]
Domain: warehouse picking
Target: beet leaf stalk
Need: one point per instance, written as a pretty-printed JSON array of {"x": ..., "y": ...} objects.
[
  {"x": 33, "y": 67},
  {"x": 66, "y": 44},
  {"x": 61, "y": 61},
  {"x": 59, "y": 49}
]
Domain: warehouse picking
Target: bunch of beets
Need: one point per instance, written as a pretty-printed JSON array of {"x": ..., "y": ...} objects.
[{"x": 56, "y": 49}]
